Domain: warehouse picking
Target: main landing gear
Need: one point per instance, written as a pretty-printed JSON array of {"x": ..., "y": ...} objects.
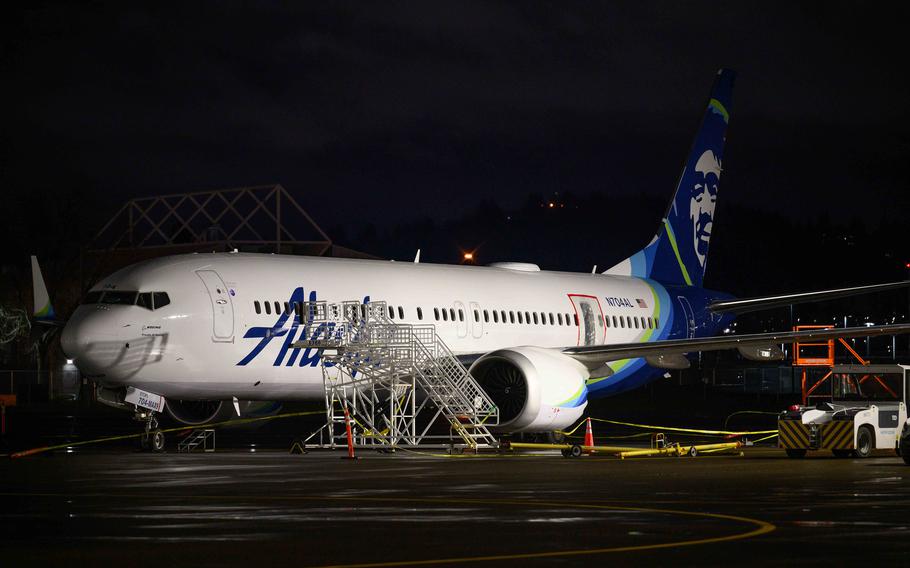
[{"x": 153, "y": 438}]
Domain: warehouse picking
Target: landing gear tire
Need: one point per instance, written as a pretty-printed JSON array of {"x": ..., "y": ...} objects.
[
  {"x": 576, "y": 451},
  {"x": 865, "y": 443},
  {"x": 556, "y": 438},
  {"x": 693, "y": 451},
  {"x": 156, "y": 441},
  {"x": 842, "y": 453},
  {"x": 795, "y": 453}
]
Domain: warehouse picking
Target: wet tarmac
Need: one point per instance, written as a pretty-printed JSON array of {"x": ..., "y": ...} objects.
[{"x": 233, "y": 508}]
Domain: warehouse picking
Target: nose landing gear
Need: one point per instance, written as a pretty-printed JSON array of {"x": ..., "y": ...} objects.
[{"x": 153, "y": 438}]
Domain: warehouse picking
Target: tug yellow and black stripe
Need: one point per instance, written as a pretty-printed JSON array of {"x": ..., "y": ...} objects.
[
  {"x": 837, "y": 435},
  {"x": 793, "y": 434}
]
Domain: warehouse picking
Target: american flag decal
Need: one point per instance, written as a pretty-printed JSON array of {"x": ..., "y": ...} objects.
[{"x": 641, "y": 303}]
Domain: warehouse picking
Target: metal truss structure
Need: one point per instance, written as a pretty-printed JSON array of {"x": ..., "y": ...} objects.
[
  {"x": 398, "y": 381},
  {"x": 266, "y": 218}
]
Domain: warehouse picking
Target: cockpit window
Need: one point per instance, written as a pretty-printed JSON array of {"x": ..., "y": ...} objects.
[
  {"x": 118, "y": 297},
  {"x": 161, "y": 299},
  {"x": 147, "y": 300},
  {"x": 144, "y": 300},
  {"x": 92, "y": 297}
]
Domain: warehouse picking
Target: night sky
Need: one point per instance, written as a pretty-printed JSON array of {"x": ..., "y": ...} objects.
[{"x": 405, "y": 110}]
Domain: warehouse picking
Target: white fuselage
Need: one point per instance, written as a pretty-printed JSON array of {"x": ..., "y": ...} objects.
[{"x": 210, "y": 340}]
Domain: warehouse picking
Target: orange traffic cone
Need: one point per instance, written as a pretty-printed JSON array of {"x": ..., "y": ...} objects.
[
  {"x": 347, "y": 427},
  {"x": 589, "y": 436}
]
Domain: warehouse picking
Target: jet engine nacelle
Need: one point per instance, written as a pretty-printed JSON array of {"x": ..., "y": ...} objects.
[
  {"x": 535, "y": 389},
  {"x": 198, "y": 412}
]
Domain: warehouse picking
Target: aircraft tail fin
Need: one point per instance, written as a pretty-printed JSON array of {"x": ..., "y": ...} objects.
[
  {"x": 678, "y": 252},
  {"x": 44, "y": 310}
]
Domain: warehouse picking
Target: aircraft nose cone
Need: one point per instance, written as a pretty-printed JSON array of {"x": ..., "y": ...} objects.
[
  {"x": 86, "y": 339},
  {"x": 71, "y": 340}
]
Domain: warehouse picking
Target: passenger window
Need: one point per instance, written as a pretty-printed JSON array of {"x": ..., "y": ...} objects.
[
  {"x": 277, "y": 308},
  {"x": 460, "y": 315},
  {"x": 656, "y": 322},
  {"x": 535, "y": 318},
  {"x": 503, "y": 316},
  {"x": 436, "y": 313},
  {"x": 622, "y": 322},
  {"x": 400, "y": 313},
  {"x": 144, "y": 300},
  {"x": 476, "y": 316},
  {"x": 419, "y": 313},
  {"x": 607, "y": 319},
  {"x": 391, "y": 312},
  {"x": 257, "y": 307},
  {"x": 511, "y": 316},
  {"x": 552, "y": 319},
  {"x": 576, "y": 320},
  {"x": 527, "y": 318},
  {"x": 559, "y": 318},
  {"x": 629, "y": 322},
  {"x": 445, "y": 315},
  {"x": 452, "y": 314},
  {"x": 495, "y": 316},
  {"x": 650, "y": 323},
  {"x": 268, "y": 308},
  {"x": 635, "y": 321},
  {"x": 520, "y": 318},
  {"x": 486, "y": 316},
  {"x": 614, "y": 322}
]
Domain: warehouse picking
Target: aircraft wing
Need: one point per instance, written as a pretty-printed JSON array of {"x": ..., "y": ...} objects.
[
  {"x": 594, "y": 355},
  {"x": 762, "y": 303}
]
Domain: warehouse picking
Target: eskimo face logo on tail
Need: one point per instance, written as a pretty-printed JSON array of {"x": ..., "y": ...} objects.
[
  {"x": 289, "y": 328},
  {"x": 704, "y": 198}
]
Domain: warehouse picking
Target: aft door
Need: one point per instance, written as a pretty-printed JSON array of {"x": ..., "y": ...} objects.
[
  {"x": 222, "y": 306},
  {"x": 690, "y": 316},
  {"x": 590, "y": 317}
]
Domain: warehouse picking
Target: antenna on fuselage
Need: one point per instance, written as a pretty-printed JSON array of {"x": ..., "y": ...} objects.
[
  {"x": 594, "y": 270},
  {"x": 417, "y": 257}
]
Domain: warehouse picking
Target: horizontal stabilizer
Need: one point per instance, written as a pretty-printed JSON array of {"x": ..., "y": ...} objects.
[
  {"x": 767, "y": 302},
  {"x": 590, "y": 355}
]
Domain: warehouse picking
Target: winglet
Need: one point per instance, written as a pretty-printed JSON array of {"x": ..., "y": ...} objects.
[
  {"x": 43, "y": 308},
  {"x": 417, "y": 257}
]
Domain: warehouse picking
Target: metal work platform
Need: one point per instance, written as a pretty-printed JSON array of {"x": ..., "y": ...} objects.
[{"x": 399, "y": 382}]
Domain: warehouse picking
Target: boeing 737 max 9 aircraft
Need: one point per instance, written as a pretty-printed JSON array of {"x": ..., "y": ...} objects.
[{"x": 223, "y": 327}]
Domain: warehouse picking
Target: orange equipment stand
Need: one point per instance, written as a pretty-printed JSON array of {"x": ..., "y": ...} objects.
[
  {"x": 5, "y": 400},
  {"x": 825, "y": 361}
]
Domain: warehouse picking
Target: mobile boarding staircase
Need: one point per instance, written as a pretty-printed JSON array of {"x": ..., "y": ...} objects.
[{"x": 396, "y": 381}]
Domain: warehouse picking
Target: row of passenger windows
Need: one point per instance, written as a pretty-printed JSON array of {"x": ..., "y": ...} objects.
[{"x": 494, "y": 316}]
